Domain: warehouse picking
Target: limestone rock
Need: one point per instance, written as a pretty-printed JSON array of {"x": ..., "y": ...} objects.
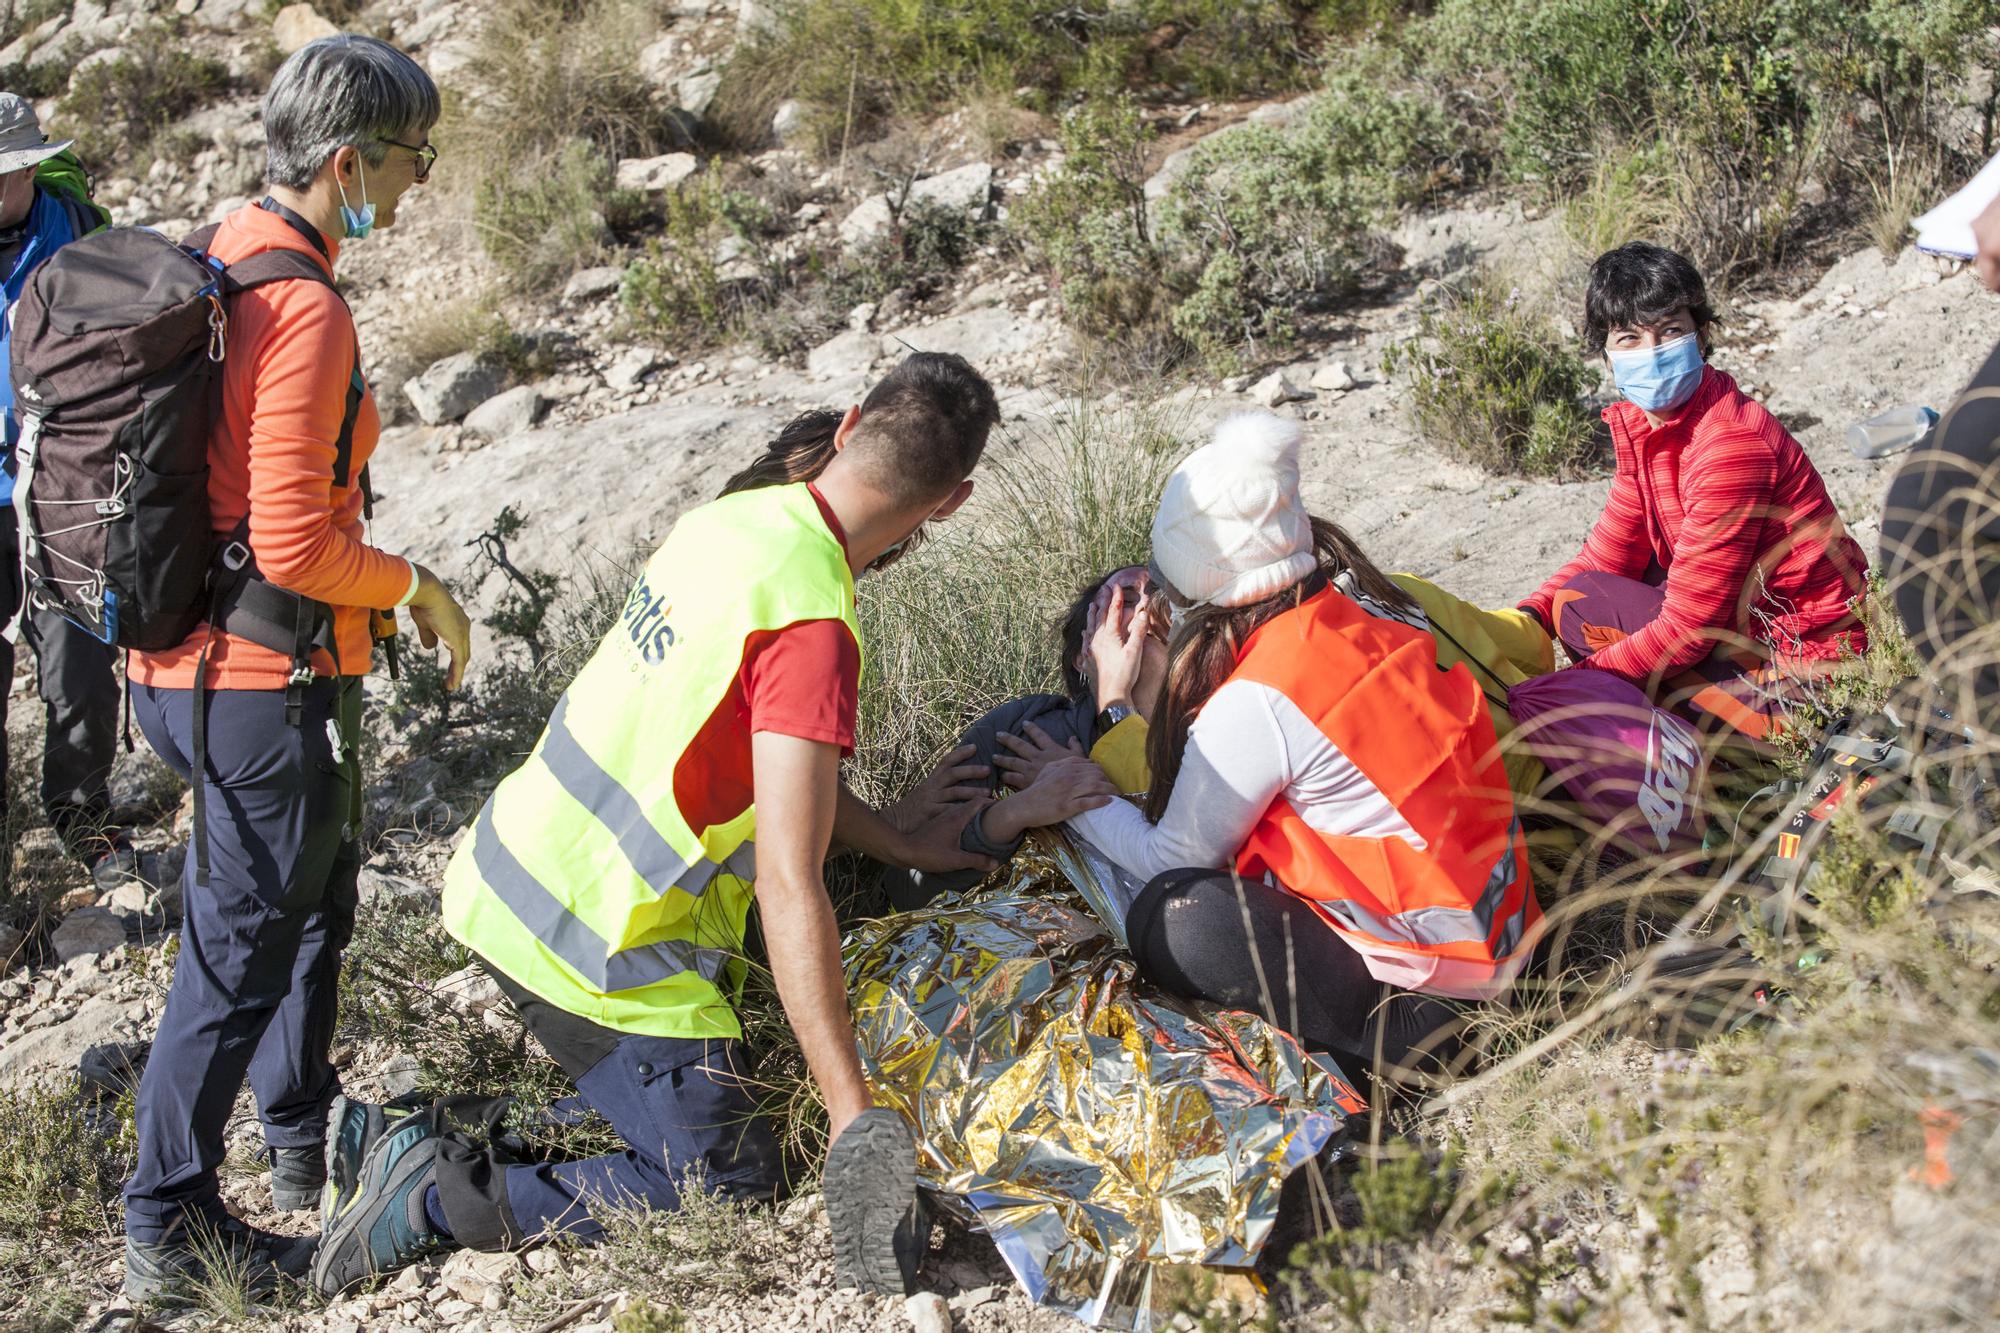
[
  {"x": 88, "y": 930},
  {"x": 1274, "y": 389},
  {"x": 592, "y": 284},
  {"x": 505, "y": 414},
  {"x": 469, "y": 991},
  {"x": 870, "y": 218},
  {"x": 450, "y": 388},
  {"x": 376, "y": 884},
  {"x": 11, "y": 940},
  {"x": 221, "y": 15},
  {"x": 1334, "y": 377},
  {"x": 850, "y": 353},
  {"x": 630, "y": 369},
  {"x": 788, "y": 122},
  {"x": 656, "y": 175},
  {"x": 61, "y": 1047},
  {"x": 965, "y": 189},
  {"x": 928, "y": 1312},
  {"x": 657, "y": 63},
  {"x": 296, "y": 25},
  {"x": 695, "y": 93}
]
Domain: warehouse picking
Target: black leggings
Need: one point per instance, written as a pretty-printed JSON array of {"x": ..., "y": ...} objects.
[{"x": 1187, "y": 930}]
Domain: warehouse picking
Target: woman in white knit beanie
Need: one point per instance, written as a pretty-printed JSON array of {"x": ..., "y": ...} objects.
[{"x": 1328, "y": 827}]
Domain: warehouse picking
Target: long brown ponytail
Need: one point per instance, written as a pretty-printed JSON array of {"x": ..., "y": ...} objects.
[
  {"x": 1206, "y": 650},
  {"x": 800, "y": 453}
]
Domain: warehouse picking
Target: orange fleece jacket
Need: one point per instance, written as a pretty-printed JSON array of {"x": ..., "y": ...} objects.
[{"x": 290, "y": 350}]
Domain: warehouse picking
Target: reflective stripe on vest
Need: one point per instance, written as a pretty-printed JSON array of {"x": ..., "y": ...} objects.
[
  {"x": 1427, "y": 926},
  {"x": 583, "y": 880}
]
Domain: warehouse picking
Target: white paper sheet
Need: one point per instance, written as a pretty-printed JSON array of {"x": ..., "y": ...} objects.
[{"x": 1947, "y": 229}]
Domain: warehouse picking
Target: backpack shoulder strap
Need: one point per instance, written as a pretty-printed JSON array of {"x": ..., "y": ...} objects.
[{"x": 269, "y": 266}]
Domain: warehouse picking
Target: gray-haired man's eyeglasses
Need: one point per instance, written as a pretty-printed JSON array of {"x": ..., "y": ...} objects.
[{"x": 426, "y": 155}]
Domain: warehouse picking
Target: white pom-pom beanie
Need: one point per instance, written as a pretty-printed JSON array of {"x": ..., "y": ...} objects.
[{"x": 1231, "y": 528}]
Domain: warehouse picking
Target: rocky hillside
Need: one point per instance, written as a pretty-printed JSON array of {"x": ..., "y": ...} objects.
[{"x": 548, "y": 353}]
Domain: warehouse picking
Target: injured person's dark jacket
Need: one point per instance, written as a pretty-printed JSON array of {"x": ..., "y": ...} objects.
[{"x": 1062, "y": 719}]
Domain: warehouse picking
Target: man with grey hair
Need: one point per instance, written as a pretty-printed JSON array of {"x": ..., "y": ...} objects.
[
  {"x": 44, "y": 205},
  {"x": 271, "y": 893}
]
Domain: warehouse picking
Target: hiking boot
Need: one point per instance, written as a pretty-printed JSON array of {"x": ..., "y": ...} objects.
[
  {"x": 380, "y": 1225},
  {"x": 296, "y": 1177},
  {"x": 880, "y": 1227},
  {"x": 352, "y": 1128},
  {"x": 114, "y": 869},
  {"x": 202, "y": 1251}
]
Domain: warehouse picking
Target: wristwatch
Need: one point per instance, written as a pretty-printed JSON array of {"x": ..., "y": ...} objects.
[{"x": 1108, "y": 719}]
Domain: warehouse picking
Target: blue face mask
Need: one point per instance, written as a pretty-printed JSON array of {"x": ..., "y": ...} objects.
[
  {"x": 1659, "y": 378},
  {"x": 356, "y": 223}
]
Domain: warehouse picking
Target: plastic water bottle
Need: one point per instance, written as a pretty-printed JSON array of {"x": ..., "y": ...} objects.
[{"x": 1897, "y": 429}]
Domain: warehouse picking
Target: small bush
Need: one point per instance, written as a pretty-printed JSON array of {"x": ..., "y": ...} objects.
[
  {"x": 1271, "y": 221},
  {"x": 557, "y": 215},
  {"x": 899, "y": 57},
  {"x": 1088, "y": 225},
  {"x": 1492, "y": 384},
  {"x": 561, "y": 101},
  {"x": 677, "y": 289},
  {"x": 63, "y": 1161},
  {"x": 119, "y": 106}
]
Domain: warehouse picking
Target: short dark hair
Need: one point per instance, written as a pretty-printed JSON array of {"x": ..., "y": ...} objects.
[
  {"x": 1639, "y": 283},
  {"x": 924, "y": 425}
]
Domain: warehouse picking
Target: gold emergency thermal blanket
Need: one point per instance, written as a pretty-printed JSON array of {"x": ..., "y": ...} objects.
[{"x": 1105, "y": 1135}]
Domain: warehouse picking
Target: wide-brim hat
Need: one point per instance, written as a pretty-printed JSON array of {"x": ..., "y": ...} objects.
[{"x": 22, "y": 143}]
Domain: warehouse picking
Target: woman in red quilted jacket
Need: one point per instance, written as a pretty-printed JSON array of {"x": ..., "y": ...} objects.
[{"x": 1719, "y": 574}]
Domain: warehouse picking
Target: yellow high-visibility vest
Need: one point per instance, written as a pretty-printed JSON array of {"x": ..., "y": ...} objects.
[{"x": 581, "y": 879}]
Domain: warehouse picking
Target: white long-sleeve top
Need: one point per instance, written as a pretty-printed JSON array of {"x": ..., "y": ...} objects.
[{"x": 1249, "y": 746}]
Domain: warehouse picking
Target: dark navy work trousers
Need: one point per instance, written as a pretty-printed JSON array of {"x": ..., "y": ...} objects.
[
  {"x": 686, "y": 1109},
  {"x": 257, "y": 976}
]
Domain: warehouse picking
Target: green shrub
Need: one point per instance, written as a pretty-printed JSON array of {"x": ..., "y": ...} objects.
[
  {"x": 63, "y": 1160},
  {"x": 855, "y": 63},
  {"x": 1270, "y": 220},
  {"x": 1492, "y": 384},
  {"x": 557, "y": 215},
  {"x": 561, "y": 101},
  {"x": 676, "y": 290},
  {"x": 1087, "y": 223},
  {"x": 117, "y": 107}
]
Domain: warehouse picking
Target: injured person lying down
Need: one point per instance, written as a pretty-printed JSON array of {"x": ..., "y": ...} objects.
[{"x": 1328, "y": 834}]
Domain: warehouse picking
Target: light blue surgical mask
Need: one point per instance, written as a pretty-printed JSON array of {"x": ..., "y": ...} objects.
[
  {"x": 356, "y": 223},
  {"x": 1662, "y": 377}
]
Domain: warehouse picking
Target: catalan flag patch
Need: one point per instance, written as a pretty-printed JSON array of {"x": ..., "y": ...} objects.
[{"x": 1788, "y": 845}]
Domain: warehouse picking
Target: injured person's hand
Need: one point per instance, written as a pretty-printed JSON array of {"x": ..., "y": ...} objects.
[
  {"x": 956, "y": 779},
  {"x": 1061, "y": 790}
]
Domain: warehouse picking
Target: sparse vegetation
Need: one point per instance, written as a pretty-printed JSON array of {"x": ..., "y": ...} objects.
[
  {"x": 1493, "y": 384},
  {"x": 63, "y": 1158},
  {"x": 124, "y": 103},
  {"x": 896, "y": 58},
  {"x": 562, "y": 100}
]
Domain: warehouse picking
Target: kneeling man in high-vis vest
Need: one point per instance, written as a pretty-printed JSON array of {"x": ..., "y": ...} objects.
[{"x": 691, "y": 767}]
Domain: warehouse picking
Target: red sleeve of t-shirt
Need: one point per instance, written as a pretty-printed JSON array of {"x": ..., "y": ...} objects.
[{"x": 803, "y": 681}]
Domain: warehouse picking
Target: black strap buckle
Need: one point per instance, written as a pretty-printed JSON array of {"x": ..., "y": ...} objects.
[{"x": 233, "y": 556}]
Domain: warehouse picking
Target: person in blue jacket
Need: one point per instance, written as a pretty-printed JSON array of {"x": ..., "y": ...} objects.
[{"x": 44, "y": 205}]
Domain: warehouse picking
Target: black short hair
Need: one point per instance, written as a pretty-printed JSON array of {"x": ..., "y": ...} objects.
[
  {"x": 924, "y": 425},
  {"x": 1639, "y": 283}
]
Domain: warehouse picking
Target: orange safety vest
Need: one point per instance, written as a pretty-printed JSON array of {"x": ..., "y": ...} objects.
[{"x": 1452, "y": 917}]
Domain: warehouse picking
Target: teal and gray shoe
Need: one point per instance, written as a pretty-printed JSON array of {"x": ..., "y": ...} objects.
[
  {"x": 352, "y": 1128},
  {"x": 381, "y": 1226},
  {"x": 201, "y": 1253}
]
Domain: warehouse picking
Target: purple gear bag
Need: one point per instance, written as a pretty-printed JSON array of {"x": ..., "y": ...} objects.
[{"x": 1637, "y": 770}]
